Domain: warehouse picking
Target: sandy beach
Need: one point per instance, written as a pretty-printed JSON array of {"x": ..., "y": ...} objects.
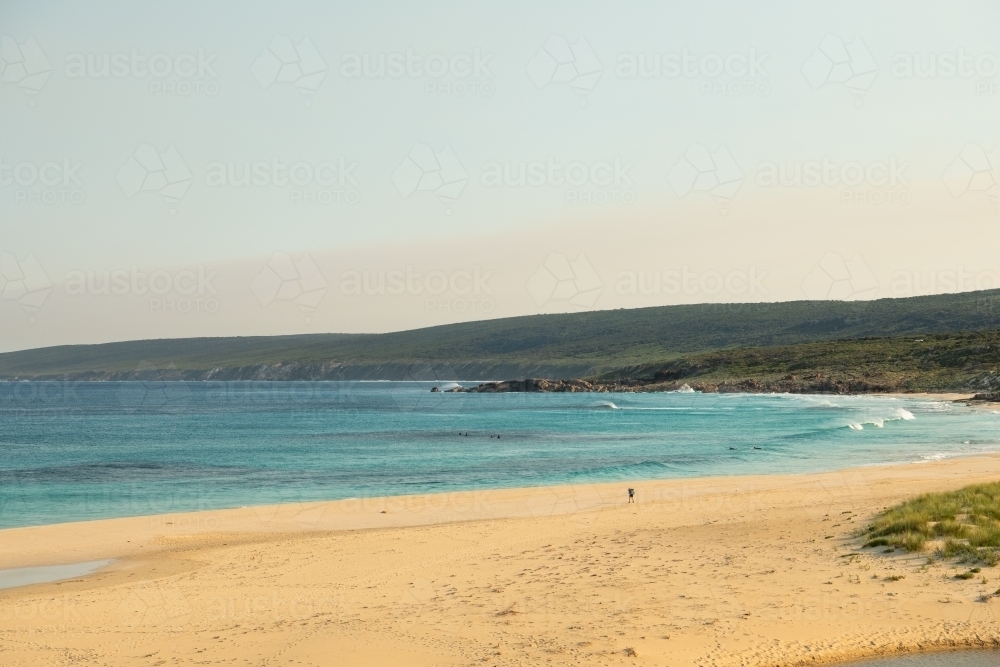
[{"x": 716, "y": 571}]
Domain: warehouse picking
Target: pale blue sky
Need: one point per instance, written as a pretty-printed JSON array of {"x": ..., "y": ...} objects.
[{"x": 654, "y": 221}]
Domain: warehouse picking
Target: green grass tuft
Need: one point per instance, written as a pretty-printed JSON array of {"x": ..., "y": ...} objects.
[{"x": 968, "y": 519}]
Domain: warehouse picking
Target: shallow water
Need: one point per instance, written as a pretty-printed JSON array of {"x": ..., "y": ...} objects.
[
  {"x": 950, "y": 659},
  {"x": 24, "y": 576},
  {"x": 73, "y": 451}
]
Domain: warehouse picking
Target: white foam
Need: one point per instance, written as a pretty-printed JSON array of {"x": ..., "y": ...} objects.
[
  {"x": 685, "y": 389},
  {"x": 879, "y": 422},
  {"x": 605, "y": 404},
  {"x": 813, "y": 401}
]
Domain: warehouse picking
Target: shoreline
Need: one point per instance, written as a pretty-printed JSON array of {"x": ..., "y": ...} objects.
[
  {"x": 734, "y": 570},
  {"x": 240, "y": 513},
  {"x": 206, "y": 507}
]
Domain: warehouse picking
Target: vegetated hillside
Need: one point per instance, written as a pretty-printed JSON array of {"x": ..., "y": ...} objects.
[
  {"x": 555, "y": 346},
  {"x": 960, "y": 362}
]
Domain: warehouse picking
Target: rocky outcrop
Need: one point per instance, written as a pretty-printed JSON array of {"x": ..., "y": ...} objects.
[{"x": 789, "y": 384}]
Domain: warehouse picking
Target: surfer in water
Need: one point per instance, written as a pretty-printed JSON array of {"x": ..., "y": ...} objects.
[{"x": 631, "y": 495}]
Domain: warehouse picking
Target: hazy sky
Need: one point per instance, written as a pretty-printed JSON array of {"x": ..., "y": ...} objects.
[{"x": 235, "y": 168}]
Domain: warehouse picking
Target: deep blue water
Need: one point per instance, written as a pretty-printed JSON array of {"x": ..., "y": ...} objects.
[{"x": 72, "y": 451}]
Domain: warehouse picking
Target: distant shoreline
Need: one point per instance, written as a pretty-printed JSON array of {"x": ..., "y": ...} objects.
[{"x": 942, "y": 395}]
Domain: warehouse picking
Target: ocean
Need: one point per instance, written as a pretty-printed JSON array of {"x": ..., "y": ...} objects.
[{"x": 72, "y": 451}]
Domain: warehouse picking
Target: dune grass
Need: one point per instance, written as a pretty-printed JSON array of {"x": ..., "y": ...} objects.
[{"x": 964, "y": 524}]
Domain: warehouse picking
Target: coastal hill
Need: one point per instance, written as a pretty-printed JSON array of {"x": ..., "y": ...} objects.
[
  {"x": 954, "y": 362},
  {"x": 558, "y": 346}
]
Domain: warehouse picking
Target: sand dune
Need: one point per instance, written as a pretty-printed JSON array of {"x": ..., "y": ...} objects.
[{"x": 718, "y": 571}]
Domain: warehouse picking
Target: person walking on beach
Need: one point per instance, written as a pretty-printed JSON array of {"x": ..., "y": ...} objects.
[{"x": 631, "y": 495}]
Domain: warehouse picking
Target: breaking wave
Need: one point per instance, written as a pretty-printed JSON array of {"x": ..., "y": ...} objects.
[{"x": 879, "y": 422}]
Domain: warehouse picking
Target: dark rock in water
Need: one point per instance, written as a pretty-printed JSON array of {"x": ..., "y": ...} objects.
[
  {"x": 543, "y": 385},
  {"x": 448, "y": 388}
]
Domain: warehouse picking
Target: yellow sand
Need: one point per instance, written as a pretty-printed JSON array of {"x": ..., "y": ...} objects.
[{"x": 717, "y": 571}]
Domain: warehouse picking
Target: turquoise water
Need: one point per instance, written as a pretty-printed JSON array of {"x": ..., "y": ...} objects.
[{"x": 73, "y": 451}]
